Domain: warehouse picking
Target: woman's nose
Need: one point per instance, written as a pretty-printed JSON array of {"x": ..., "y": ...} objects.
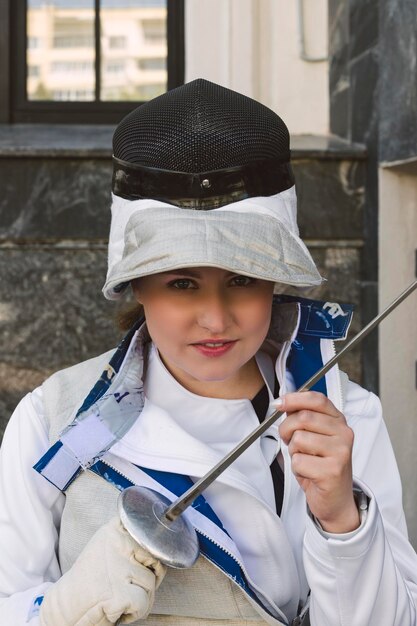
[{"x": 215, "y": 315}]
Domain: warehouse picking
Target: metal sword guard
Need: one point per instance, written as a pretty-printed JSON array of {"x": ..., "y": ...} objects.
[{"x": 142, "y": 513}]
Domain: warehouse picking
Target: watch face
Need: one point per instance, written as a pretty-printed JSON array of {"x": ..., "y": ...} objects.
[{"x": 362, "y": 502}]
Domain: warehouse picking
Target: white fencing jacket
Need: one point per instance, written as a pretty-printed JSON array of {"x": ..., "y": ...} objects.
[{"x": 364, "y": 578}]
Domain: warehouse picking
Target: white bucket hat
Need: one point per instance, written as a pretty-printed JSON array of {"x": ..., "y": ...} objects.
[{"x": 202, "y": 178}]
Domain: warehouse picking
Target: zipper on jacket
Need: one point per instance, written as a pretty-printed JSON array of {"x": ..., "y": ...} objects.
[
  {"x": 281, "y": 366},
  {"x": 283, "y": 355},
  {"x": 204, "y": 534},
  {"x": 329, "y": 352}
]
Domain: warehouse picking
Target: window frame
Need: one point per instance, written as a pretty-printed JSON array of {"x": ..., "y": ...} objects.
[{"x": 15, "y": 108}]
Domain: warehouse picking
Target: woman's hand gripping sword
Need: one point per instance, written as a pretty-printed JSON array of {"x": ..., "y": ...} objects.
[{"x": 157, "y": 524}]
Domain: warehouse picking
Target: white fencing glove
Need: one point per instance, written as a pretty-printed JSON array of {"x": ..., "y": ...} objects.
[{"x": 113, "y": 578}]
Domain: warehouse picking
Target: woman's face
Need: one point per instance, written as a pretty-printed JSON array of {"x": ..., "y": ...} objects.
[{"x": 207, "y": 323}]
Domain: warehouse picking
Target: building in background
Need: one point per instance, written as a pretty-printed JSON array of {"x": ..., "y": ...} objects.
[{"x": 61, "y": 50}]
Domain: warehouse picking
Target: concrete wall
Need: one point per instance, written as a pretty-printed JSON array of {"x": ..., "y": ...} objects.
[
  {"x": 398, "y": 333},
  {"x": 253, "y": 46}
]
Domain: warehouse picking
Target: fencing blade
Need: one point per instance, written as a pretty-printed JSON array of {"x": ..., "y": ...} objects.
[{"x": 183, "y": 502}]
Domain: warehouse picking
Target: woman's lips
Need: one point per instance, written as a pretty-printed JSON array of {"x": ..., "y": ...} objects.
[{"x": 214, "y": 348}]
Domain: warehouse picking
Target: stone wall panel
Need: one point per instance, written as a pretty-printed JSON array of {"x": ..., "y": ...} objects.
[
  {"x": 330, "y": 199},
  {"x": 54, "y": 198}
]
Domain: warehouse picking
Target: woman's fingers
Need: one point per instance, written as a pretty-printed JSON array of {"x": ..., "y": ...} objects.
[
  {"x": 310, "y": 432},
  {"x": 323, "y": 470},
  {"x": 308, "y": 421},
  {"x": 320, "y": 446},
  {"x": 314, "y": 444},
  {"x": 310, "y": 400},
  {"x": 310, "y": 411}
]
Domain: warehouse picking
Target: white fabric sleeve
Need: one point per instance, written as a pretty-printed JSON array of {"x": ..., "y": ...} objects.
[
  {"x": 369, "y": 578},
  {"x": 30, "y": 513}
]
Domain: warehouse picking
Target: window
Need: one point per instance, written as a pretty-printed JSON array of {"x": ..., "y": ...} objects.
[
  {"x": 33, "y": 71},
  {"x": 146, "y": 92},
  {"x": 154, "y": 31},
  {"x": 115, "y": 67},
  {"x": 75, "y": 94},
  {"x": 33, "y": 42},
  {"x": 87, "y": 60},
  {"x": 72, "y": 66},
  {"x": 117, "y": 42},
  {"x": 73, "y": 41},
  {"x": 157, "y": 63}
]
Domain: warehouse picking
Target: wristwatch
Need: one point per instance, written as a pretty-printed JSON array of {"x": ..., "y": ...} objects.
[{"x": 362, "y": 502}]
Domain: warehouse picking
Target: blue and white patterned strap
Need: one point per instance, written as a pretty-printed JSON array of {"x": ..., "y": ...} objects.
[{"x": 103, "y": 418}]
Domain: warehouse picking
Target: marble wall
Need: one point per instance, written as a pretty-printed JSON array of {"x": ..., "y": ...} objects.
[
  {"x": 353, "y": 83},
  {"x": 54, "y": 222},
  {"x": 397, "y": 81},
  {"x": 55, "y": 198}
]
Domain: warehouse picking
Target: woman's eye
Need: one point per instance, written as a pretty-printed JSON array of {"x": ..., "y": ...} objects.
[
  {"x": 182, "y": 283},
  {"x": 242, "y": 281}
]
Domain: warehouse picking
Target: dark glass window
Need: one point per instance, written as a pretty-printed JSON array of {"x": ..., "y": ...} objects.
[{"x": 88, "y": 60}]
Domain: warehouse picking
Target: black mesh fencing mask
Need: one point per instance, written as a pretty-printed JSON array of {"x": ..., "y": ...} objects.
[{"x": 201, "y": 146}]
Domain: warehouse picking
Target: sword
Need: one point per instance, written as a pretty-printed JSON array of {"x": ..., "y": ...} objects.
[{"x": 157, "y": 524}]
